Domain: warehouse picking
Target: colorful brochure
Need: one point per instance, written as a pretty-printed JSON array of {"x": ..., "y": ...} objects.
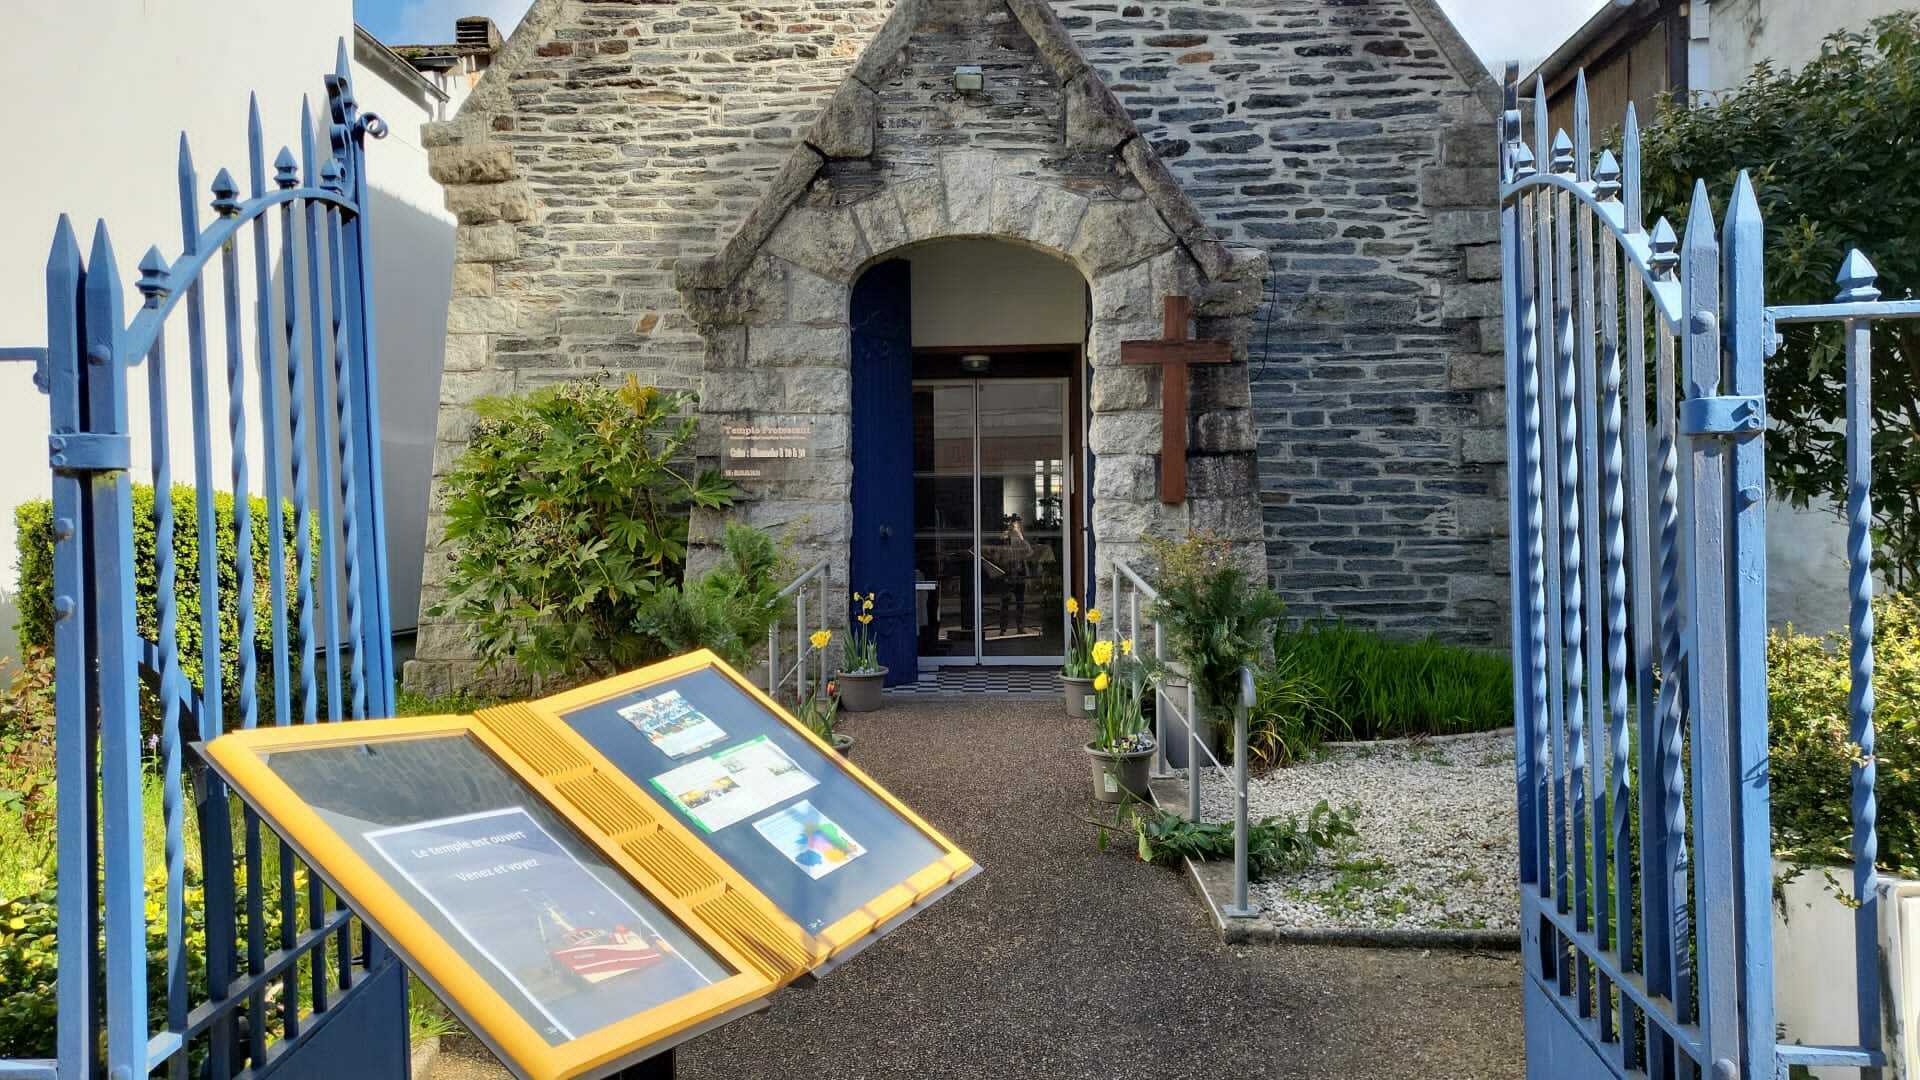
[
  {"x": 809, "y": 839},
  {"x": 673, "y": 725},
  {"x": 734, "y": 784}
]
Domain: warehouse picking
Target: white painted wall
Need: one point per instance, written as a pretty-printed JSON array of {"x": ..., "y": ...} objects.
[
  {"x": 106, "y": 148},
  {"x": 987, "y": 292},
  {"x": 1806, "y": 548},
  {"x": 1741, "y": 33},
  {"x": 412, "y": 282},
  {"x": 1814, "y": 966}
]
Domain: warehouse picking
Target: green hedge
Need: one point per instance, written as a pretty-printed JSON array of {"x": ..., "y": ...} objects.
[
  {"x": 1812, "y": 758},
  {"x": 33, "y": 524},
  {"x": 1375, "y": 687}
]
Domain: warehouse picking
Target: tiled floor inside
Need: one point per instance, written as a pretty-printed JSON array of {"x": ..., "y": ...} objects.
[{"x": 1024, "y": 681}]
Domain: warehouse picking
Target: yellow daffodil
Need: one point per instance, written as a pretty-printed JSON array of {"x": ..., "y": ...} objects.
[
  {"x": 872, "y": 596},
  {"x": 1102, "y": 652},
  {"x": 865, "y": 619},
  {"x": 820, "y": 638},
  {"x": 1101, "y": 681},
  {"x": 1073, "y": 606},
  {"x": 1093, "y": 615},
  {"x": 1126, "y": 646},
  {"x": 866, "y": 605}
]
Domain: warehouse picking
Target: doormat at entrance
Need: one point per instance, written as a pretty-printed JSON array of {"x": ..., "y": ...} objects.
[{"x": 1034, "y": 681}]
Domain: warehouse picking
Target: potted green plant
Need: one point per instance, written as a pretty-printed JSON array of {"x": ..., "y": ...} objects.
[
  {"x": 1217, "y": 619},
  {"x": 820, "y": 710},
  {"x": 1121, "y": 749},
  {"x": 1077, "y": 674},
  {"x": 861, "y": 676}
]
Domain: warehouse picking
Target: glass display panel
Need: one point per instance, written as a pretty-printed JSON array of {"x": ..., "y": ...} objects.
[
  {"x": 943, "y": 519},
  {"x": 779, "y": 810},
  {"x": 1023, "y": 463},
  {"x": 563, "y": 936}
]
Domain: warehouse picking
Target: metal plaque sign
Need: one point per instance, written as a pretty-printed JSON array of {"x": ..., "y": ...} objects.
[{"x": 753, "y": 450}]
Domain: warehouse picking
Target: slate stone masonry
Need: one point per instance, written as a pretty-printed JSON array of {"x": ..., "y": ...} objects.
[
  {"x": 1348, "y": 143},
  {"x": 1352, "y": 141}
]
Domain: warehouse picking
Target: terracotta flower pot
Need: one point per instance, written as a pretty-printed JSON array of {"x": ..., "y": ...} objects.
[
  {"x": 1078, "y": 695},
  {"x": 860, "y": 691},
  {"x": 1120, "y": 777}
]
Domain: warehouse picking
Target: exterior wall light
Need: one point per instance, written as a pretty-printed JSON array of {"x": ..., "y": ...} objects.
[
  {"x": 968, "y": 77},
  {"x": 975, "y": 363}
]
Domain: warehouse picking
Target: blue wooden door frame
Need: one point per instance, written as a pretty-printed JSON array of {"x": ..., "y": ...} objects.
[{"x": 882, "y": 386}]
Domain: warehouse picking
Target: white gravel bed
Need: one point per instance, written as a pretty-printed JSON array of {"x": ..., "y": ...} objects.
[{"x": 1436, "y": 847}]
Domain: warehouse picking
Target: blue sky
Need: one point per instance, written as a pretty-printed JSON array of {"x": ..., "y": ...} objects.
[{"x": 1498, "y": 30}]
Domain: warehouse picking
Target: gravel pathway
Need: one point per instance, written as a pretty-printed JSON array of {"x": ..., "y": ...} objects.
[
  {"x": 1065, "y": 962},
  {"x": 1436, "y": 846}
]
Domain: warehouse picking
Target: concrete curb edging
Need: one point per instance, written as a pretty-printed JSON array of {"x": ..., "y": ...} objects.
[
  {"x": 425, "y": 1053},
  {"x": 1213, "y": 883}
]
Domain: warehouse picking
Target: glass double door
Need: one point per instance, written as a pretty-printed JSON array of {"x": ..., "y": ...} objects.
[{"x": 991, "y": 490}]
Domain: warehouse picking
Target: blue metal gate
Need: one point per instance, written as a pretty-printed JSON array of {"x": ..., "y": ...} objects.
[
  {"x": 1638, "y": 545},
  {"x": 280, "y": 962}
]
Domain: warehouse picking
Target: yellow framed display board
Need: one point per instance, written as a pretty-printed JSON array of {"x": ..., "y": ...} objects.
[
  {"x": 741, "y": 780},
  {"x": 591, "y": 878},
  {"x": 563, "y": 949}
]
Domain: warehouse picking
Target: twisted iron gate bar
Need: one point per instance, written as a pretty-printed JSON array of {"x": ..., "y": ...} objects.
[
  {"x": 1640, "y": 628},
  {"x": 264, "y": 1006}
]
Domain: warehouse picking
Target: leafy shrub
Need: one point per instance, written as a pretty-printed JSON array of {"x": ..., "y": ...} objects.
[
  {"x": 1275, "y": 845},
  {"x": 1812, "y": 756},
  {"x": 27, "y": 761},
  {"x": 729, "y": 609},
  {"x": 1216, "y": 617},
  {"x": 33, "y": 524},
  {"x": 1830, "y": 146},
  {"x": 566, "y": 514},
  {"x": 1379, "y": 688}
]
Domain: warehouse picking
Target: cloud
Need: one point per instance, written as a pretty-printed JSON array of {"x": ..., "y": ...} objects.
[{"x": 416, "y": 22}]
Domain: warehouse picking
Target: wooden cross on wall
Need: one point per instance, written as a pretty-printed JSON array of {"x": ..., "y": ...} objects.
[{"x": 1172, "y": 353}]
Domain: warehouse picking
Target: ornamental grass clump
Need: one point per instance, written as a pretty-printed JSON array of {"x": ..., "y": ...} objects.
[{"x": 1374, "y": 687}]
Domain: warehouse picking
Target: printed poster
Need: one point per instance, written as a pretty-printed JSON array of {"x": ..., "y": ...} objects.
[
  {"x": 734, "y": 784},
  {"x": 673, "y": 725},
  {"x": 554, "y": 933},
  {"x": 809, "y": 839}
]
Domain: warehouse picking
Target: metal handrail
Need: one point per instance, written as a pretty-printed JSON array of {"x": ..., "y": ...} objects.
[
  {"x": 776, "y": 677},
  {"x": 1127, "y": 584}
]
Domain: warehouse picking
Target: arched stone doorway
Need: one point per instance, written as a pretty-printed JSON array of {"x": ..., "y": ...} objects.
[
  {"x": 969, "y": 502},
  {"x": 773, "y": 306}
]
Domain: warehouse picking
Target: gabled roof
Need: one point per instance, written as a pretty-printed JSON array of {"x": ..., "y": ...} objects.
[{"x": 1096, "y": 122}]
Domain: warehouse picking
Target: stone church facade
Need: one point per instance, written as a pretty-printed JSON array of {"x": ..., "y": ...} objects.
[{"x": 691, "y": 192}]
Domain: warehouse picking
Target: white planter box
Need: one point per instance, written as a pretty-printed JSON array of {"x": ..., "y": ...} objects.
[{"x": 1814, "y": 968}]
